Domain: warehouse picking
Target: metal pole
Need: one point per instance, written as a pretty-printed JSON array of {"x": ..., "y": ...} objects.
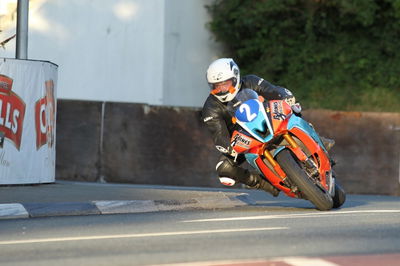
[{"x": 22, "y": 29}]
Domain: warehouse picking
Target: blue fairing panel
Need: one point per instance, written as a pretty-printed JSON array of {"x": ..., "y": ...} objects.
[
  {"x": 250, "y": 157},
  {"x": 298, "y": 122}
]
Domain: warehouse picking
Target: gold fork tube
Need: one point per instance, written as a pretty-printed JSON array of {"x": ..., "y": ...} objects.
[
  {"x": 290, "y": 140},
  {"x": 269, "y": 157},
  {"x": 274, "y": 164}
]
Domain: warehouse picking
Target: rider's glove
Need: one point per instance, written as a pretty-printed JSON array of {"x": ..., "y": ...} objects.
[
  {"x": 296, "y": 108},
  {"x": 291, "y": 100}
]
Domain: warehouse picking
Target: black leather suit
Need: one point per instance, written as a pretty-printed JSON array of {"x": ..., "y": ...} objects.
[{"x": 219, "y": 122}]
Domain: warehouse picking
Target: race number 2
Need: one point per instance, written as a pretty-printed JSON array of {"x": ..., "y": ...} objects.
[{"x": 248, "y": 111}]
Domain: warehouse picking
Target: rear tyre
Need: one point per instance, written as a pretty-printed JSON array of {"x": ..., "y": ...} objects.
[
  {"x": 340, "y": 196},
  {"x": 320, "y": 198}
]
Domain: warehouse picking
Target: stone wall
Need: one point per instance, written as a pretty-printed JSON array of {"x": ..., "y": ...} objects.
[
  {"x": 367, "y": 148},
  {"x": 137, "y": 143},
  {"x": 142, "y": 144},
  {"x": 78, "y": 140}
]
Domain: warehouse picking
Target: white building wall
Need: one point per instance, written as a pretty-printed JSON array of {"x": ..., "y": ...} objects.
[
  {"x": 189, "y": 49},
  {"x": 142, "y": 51}
]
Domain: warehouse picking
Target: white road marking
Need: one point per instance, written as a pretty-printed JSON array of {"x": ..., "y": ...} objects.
[
  {"x": 293, "y": 261},
  {"x": 179, "y": 233},
  {"x": 291, "y": 216},
  {"x": 299, "y": 261}
]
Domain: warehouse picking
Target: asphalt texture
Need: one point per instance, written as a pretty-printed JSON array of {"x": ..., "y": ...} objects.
[{"x": 65, "y": 198}]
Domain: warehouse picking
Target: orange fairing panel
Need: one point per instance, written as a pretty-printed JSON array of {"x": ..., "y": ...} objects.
[
  {"x": 324, "y": 163},
  {"x": 279, "y": 111},
  {"x": 242, "y": 143}
]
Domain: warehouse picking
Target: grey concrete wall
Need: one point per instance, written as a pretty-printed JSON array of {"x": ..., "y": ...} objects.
[{"x": 145, "y": 144}]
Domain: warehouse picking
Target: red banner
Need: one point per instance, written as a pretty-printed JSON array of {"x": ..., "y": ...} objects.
[
  {"x": 45, "y": 117},
  {"x": 12, "y": 112}
]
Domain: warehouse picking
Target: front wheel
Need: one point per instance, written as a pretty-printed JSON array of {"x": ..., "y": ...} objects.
[{"x": 320, "y": 198}]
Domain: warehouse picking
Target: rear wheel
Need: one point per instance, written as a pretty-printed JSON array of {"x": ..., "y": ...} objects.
[
  {"x": 318, "y": 196},
  {"x": 340, "y": 196}
]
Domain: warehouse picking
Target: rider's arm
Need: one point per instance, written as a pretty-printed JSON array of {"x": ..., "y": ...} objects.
[
  {"x": 269, "y": 91},
  {"x": 265, "y": 88},
  {"x": 216, "y": 126}
]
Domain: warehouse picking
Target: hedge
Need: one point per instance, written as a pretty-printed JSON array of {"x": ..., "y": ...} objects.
[{"x": 333, "y": 54}]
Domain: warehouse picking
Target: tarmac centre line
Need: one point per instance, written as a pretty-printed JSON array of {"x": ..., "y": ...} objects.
[
  {"x": 293, "y": 216},
  {"x": 121, "y": 236}
]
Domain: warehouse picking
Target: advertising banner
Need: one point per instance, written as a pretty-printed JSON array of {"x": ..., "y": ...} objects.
[{"x": 27, "y": 121}]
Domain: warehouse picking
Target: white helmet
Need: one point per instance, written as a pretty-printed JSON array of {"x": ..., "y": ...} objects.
[{"x": 223, "y": 77}]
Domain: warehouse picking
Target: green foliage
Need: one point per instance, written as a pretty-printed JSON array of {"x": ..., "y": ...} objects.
[{"x": 335, "y": 54}]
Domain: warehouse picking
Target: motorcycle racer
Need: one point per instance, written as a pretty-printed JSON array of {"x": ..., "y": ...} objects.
[{"x": 223, "y": 77}]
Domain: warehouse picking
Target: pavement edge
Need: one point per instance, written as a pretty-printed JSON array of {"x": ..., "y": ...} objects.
[{"x": 33, "y": 210}]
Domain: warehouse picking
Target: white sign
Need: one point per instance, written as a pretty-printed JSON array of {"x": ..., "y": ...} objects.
[{"x": 27, "y": 121}]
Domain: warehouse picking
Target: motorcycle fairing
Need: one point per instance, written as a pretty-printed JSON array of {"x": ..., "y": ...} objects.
[
  {"x": 255, "y": 120},
  {"x": 282, "y": 119},
  {"x": 252, "y": 117},
  {"x": 273, "y": 178},
  {"x": 241, "y": 143},
  {"x": 279, "y": 112},
  {"x": 298, "y": 122},
  {"x": 305, "y": 133},
  {"x": 251, "y": 159}
]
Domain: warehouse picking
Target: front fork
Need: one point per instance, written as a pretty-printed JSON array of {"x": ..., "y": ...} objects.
[{"x": 274, "y": 164}]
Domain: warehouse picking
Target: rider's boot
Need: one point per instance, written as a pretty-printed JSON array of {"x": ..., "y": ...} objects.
[
  {"x": 328, "y": 143},
  {"x": 256, "y": 181}
]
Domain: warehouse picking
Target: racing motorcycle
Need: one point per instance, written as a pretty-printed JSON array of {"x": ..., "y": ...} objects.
[{"x": 285, "y": 149}]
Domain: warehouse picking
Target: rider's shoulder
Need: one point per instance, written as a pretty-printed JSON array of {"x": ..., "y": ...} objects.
[
  {"x": 251, "y": 78},
  {"x": 211, "y": 104},
  {"x": 251, "y": 81}
]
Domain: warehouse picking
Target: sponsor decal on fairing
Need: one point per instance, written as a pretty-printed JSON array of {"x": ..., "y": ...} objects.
[
  {"x": 277, "y": 111},
  {"x": 241, "y": 141}
]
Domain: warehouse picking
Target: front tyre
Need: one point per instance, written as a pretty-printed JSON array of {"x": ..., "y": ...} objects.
[{"x": 320, "y": 198}]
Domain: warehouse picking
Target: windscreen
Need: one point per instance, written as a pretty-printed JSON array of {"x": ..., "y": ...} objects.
[{"x": 243, "y": 96}]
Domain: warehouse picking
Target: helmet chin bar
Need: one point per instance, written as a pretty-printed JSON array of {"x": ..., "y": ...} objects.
[{"x": 227, "y": 97}]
